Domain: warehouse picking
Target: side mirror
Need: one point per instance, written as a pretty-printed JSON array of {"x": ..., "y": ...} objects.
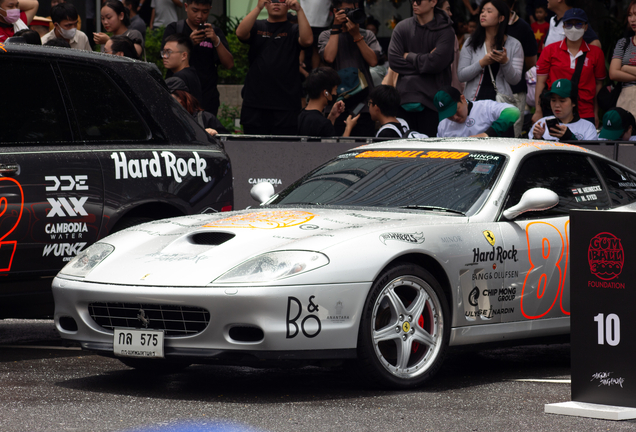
[
  {"x": 261, "y": 192},
  {"x": 536, "y": 199}
]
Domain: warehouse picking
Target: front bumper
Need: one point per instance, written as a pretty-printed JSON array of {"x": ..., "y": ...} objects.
[{"x": 308, "y": 321}]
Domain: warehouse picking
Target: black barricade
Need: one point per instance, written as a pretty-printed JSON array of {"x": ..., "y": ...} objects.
[{"x": 281, "y": 160}]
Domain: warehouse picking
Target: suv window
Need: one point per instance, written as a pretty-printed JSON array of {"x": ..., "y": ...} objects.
[
  {"x": 33, "y": 109},
  {"x": 103, "y": 111},
  {"x": 570, "y": 176},
  {"x": 621, "y": 184}
]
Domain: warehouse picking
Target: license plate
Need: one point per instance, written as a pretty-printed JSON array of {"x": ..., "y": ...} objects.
[{"x": 138, "y": 343}]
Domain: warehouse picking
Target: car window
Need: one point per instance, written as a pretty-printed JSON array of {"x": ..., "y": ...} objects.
[
  {"x": 621, "y": 184},
  {"x": 32, "y": 110},
  {"x": 570, "y": 176},
  {"x": 458, "y": 181},
  {"x": 103, "y": 111}
]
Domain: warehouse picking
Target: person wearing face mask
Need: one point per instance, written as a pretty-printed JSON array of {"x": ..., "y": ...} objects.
[
  {"x": 15, "y": 16},
  {"x": 565, "y": 124},
  {"x": 64, "y": 17},
  {"x": 575, "y": 60},
  {"x": 556, "y": 30},
  {"x": 321, "y": 85}
]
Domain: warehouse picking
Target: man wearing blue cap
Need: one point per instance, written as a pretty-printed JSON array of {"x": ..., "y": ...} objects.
[
  {"x": 459, "y": 117},
  {"x": 556, "y": 30},
  {"x": 575, "y": 60}
]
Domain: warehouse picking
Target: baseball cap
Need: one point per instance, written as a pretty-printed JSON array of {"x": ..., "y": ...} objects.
[
  {"x": 615, "y": 122},
  {"x": 445, "y": 101},
  {"x": 575, "y": 14},
  {"x": 176, "y": 83},
  {"x": 562, "y": 87}
]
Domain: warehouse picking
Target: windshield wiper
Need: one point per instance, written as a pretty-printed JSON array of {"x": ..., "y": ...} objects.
[{"x": 433, "y": 208}]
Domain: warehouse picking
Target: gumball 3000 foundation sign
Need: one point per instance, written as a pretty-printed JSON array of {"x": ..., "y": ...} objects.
[{"x": 606, "y": 258}]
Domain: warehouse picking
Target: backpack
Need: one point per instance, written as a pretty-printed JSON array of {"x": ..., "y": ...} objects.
[{"x": 403, "y": 131}]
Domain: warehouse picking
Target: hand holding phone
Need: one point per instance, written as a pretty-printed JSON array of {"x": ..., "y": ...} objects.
[
  {"x": 357, "y": 109},
  {"x": 550, "y": 123}
]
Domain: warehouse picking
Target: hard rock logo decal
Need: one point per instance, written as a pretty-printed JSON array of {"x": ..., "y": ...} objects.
[
  {"x": 264, "y": 220},
  {"x": 606, "y": 256}
]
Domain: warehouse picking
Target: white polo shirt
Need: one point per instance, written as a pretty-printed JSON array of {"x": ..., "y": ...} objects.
[
  {"x": 482, "y": 115},
  {"x": 582, "y": 129},
  {"x": 79, "y": 41}
]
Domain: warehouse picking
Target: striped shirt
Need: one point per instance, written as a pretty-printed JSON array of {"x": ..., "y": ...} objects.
[{"x": 626, "y": 51}]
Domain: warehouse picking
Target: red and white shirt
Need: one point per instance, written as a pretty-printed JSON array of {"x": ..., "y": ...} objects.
[
  {"x": 557, "y": 62},
  {"x": 7, "y": 32}
]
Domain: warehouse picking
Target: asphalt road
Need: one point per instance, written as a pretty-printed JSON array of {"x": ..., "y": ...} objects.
[{"x": 48, "y": 387}]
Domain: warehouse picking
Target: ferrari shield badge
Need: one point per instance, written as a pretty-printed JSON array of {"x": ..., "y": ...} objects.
[{"x": 490, "y": 236}]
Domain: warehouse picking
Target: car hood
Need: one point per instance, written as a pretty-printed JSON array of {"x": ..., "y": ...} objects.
[{"x": 195, "y": 250}]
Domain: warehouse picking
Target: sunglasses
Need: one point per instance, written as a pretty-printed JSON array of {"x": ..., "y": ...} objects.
[
  {"x": 417, "y": 2},
  {"x": 578, "y": 25}
]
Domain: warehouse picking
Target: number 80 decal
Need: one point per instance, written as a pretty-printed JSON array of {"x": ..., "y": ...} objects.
[
  {"x": 10, "y": 197},
  {"x": 546, "y": 256}
]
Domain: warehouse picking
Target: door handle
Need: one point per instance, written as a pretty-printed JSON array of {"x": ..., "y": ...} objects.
[{"x": 8, "y": 169}]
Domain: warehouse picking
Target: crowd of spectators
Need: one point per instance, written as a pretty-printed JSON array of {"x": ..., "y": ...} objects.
[{"x": 496, "y": 74}]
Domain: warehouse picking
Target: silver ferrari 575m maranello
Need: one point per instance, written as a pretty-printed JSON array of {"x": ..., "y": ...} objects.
[{"x": 386, "y": 255}]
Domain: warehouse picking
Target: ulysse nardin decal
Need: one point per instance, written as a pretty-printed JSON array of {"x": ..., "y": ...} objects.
[
  {"x": 415, "y": 238},
  {"x": 173, "y": 166}
]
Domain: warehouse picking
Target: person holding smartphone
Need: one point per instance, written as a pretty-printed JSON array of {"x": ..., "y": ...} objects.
[
  {"x": 565, "y": 124},
  {"x": 491, "y": 61},
  {"x": 210, "y": 49},
  {"x": 321, "y": 86},
  {"x": 272, "y": 90}
]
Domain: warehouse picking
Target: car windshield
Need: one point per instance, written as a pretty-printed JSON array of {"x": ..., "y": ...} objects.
[{"x": 433, "y": 180}]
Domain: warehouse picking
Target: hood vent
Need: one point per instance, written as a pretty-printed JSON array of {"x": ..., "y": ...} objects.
[{"x": 211, "y": 238}]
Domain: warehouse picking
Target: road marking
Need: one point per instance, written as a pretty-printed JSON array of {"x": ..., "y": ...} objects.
[
  {"x": 41, "y": 347},
  {"x": 557, "y": 381}
]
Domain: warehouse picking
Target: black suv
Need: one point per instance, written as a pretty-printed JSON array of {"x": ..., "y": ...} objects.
[{"x": 90, "y": 144}]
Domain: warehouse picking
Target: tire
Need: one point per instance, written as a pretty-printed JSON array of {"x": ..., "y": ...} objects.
[
  {"x": 154, "y": 366},
  {"x": 405, "y": 328},
  {"x": 127, "y": 222}
]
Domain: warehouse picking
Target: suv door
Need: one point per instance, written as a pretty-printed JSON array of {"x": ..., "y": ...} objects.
[{"x": 51, "y": 189}]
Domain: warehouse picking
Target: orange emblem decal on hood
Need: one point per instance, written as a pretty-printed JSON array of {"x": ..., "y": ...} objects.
[{"x": 264, "y": 220}]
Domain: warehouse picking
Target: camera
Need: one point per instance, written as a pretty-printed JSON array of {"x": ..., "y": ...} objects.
[
  {"x": 202, "y": 26},
  {"x": 356, "y": 16}
]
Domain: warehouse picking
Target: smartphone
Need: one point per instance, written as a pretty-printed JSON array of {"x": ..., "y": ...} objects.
[
  {"x": 549, "y": 124},
  {"x": 202, "y": 26},
  {"x": 357, "y": 109}
]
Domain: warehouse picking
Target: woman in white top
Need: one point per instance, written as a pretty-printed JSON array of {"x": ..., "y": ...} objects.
[
  {"x": 565, "y": 124},
  {"x": 490, "y": 53}
]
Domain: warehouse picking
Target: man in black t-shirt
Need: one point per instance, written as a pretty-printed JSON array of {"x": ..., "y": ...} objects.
[
  {"x": 210, "y": 49},
  {"x": 321, "y": 86},
  {"x": 272, "y": 92},
  {"x": 384, "y": 104},
  {"x": 176, "y": 54}
]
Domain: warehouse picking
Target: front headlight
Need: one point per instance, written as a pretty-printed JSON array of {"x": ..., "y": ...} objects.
[
  {"x": 87, "y": 260},
  {"x": 273, "y": 266}
]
